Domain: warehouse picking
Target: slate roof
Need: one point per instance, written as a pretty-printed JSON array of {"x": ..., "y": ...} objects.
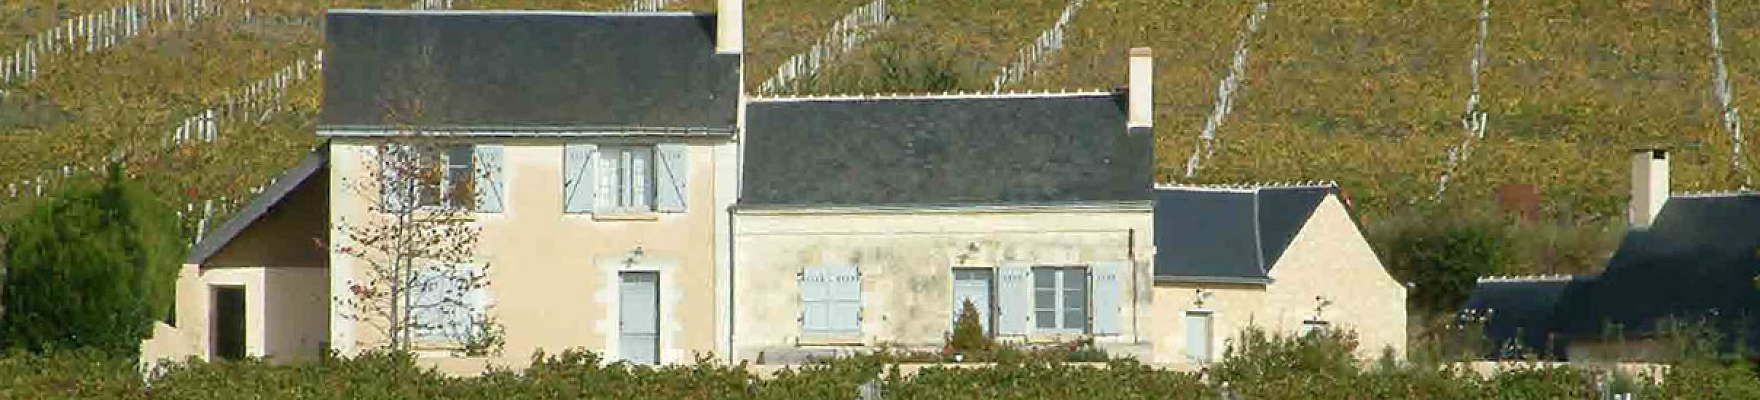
[
  {"x": 522, "y": 69},
  {"x": 1697, "y": 261},
  {"x": 1228, "y": 234},
  {"x": 1004, "y": 149},
  {"x": 1519, "y": 310}
]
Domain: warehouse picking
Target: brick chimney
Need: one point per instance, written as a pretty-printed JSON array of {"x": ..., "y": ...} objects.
[
  {"x": 1649, "y": 185},
  {"x": 1142, "y": 88},
  {"x": 729, "y": 26}
]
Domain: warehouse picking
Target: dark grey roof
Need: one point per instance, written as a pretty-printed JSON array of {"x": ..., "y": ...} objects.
[
  {"x": 1211, "y": 234},
  {"x": 1697, "y": 262},
  {"x": 1519, "y": 311},
  {"x": 313, "y": 165},
  {"x": 951, "y": 149},
  {"x": 582, "y": 71}
]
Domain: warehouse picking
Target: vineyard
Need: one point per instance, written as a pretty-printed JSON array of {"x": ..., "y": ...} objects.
[{"x": 210, "y": 98}]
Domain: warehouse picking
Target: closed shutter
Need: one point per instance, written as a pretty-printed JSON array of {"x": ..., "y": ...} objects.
[
  {"x": 1103, "y": 278},
  {"x": 846, "y": 298},
  {"x": 815, "y": 304},
  {"x": 1198, "y": 336},
  {"x": 394, "y": 192},
  {"x": 1013, "y": 291},
  {"x": 477, "y": 300},
  {"x": 490, "y": 184},
  {"x": 577, "y": 179},
  {"x": 429, "y": 315},
  {"x": 671, "y": 178}
]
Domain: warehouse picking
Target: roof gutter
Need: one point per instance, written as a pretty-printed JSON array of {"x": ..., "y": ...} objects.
[{"x": 1241, "y": 280}]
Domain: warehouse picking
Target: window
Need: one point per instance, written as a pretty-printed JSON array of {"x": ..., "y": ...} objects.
[
  {"x": 1198, "y": 336},
  {"x": 1312, "y": 326},
  {"x": 1060, "y": 299},
  {"x": 831, "y": 300},
  {"x": 432, "y": 177},
  {"x": 627, "y": 179},
  {"x": 446, "y": 304},
  {"x": 453, "y": 186},
  {"x": 974, "y": 285}
]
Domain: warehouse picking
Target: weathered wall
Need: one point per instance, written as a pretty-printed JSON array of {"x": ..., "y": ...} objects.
[
  {"x": 553, "y": 276},
  {"x": 1330, "y": 259},
  {"x": 906, "y": 256},
  {"x": 296, "y": 308}
]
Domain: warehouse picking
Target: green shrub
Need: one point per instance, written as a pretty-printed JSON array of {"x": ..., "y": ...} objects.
[
  {"x": 92, "y": 267},
  {"x": 67, "y": 374},
  {"x": 968, "y": 330}
]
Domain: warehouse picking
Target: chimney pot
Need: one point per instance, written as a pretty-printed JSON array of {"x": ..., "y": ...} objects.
[
  {"x": 1649, "y": 186},
  {"x": 1142, "y": 88},
  {"x": 729, "y": 26}
]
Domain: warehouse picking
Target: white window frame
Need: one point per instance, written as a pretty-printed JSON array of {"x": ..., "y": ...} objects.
[
  {"x": 442, "y": 196},
  {"x": 625, "y": 181},
  {"x": 1060, "y": 307}
]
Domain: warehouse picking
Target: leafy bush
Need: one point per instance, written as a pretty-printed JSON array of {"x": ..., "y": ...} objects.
[
  {"x": 92, "y": 267},
  {"x": 1443, "y": 255},
  {"x": 968, "y": 330}
]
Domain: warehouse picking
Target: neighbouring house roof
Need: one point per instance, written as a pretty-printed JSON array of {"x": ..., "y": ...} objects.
[
  {"x": 1696, "y": 263},
  {"x": 516, "y": 71},
  {"x": 1518, "y": 310},
  {"x": 953, "y": 149},
  {"x": 1229, "y": 234},
  {"x": 314, "y": 164}
]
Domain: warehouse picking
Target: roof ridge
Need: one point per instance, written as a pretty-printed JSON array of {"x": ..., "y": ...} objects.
[
  {"x": 1714, "y": 193},
  {"x": 1250, "y": 185},
  {"x": 1527, "y": 278},
  {"x": 945, "y": 95}
]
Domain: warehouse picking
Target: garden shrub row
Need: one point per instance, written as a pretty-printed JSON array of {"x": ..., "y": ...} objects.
[{"x": 1259, "y": 366}]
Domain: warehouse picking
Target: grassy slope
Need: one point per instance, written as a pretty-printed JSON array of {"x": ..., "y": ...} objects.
[{"x": 1369, "y": 92}]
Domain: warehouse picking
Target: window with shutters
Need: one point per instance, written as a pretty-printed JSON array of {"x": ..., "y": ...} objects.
[
  {"x": 463, "y": 177},
  {"x": 443, "y": 307},
  {"x": 625, "y": 179},
  {"x": 831, "y": 300},
  {"x": 1060, "y": 299}
]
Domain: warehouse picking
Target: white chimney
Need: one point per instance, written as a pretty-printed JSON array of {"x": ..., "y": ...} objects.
[
  {"x": 1649, "y": 185},
  {"x": 1142, "y": 89},
  {"x": 729, "y": 27}
]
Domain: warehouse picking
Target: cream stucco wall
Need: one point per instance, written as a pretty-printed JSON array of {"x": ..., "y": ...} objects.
[
  {"x": 553, "y": 276},
  {"x": 285, "y": 313},
  {"x": 1329, "y": 258},
  {"x": 905, "y": 258}
]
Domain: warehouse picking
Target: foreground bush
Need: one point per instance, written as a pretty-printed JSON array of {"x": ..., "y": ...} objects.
[{"x": 1256, "y": 366}]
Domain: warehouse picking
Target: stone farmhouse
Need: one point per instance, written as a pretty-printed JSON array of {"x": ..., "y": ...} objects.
[{"x": 634, "y": 201}]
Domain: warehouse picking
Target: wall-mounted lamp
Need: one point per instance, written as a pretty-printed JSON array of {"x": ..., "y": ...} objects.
[
  {"x": 1200, "y": 296},
  {"x": 633, "y": 256},
  {"x": 1320, "y": 304}
]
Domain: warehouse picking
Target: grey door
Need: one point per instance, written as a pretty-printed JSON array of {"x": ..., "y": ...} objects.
[
  {"x": 227, "y": 333},
  {"x": 638, "y": 317},
  {"x": 974, "y": 285}
]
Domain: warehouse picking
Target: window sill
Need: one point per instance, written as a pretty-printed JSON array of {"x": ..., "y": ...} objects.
[
  {"x": 829, "y": 339},
  {"x": 626, "y": 217}
]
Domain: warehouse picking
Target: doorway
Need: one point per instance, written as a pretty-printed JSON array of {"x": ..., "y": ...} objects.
[
  {"x": 228, "y": 327},
  {"x": 975, "y": 285},
  {"x": 638, "y": 317}
]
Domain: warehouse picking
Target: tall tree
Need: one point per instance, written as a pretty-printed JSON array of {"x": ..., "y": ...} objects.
[{"x": 91, "y": 267}]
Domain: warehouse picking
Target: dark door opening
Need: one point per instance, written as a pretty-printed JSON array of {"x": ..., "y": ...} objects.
[{"x": 227, "y": 334}]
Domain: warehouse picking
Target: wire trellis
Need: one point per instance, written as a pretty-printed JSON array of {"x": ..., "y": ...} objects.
[{"x": 848, "y": 33}]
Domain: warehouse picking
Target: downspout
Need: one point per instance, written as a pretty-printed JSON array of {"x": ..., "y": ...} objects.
[{"x": 1130, "y": 250}]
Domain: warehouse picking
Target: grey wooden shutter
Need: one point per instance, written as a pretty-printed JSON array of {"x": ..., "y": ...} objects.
[
  {"x": 490, "y": 184},
  {"x": 846, "y": 298},
  {"x": 815, "y": 304},
  {"x": 427, "y": 295},
  {"x": 1014, "y": 289},
  {"x": 393, "y": 190},
  {"x": 577, "y": 178},
  {"x": 1104, "y": 283},
  {"x": 672, "y": 177}
]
